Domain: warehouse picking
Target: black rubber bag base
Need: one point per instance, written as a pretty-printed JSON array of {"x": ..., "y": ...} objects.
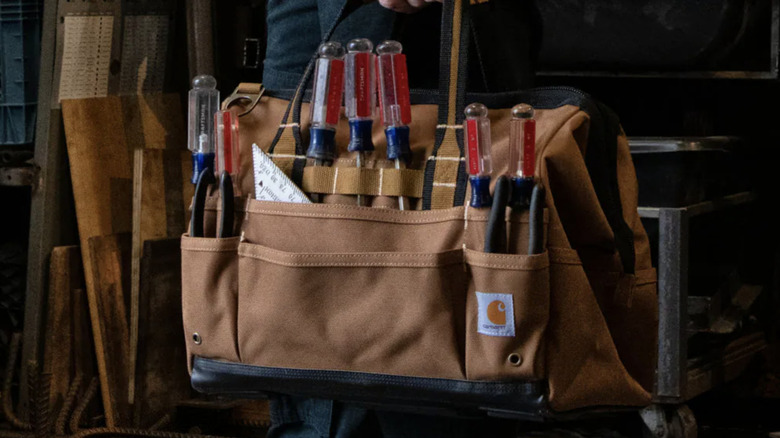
[{"x": 525, "y": 400}]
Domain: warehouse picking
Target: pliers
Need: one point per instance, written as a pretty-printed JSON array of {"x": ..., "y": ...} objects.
[
  {"x": 227, "y": 219},
  {"x": 496, "y": 233}
]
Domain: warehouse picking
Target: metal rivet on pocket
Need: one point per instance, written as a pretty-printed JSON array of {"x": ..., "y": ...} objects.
[
  {"x": 197, "y": 339},
  {"x": 515, "y": 359}
]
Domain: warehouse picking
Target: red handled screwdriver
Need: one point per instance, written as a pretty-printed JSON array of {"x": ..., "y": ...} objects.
[
  {"x": 360, "y": 100},
  {"x": 522, "y": 155},
  {"x": 326, "y": 105},
  {"x": 226, "y": 145},
  {"x": 478, "y": 156},
  {"x": 394, "y": 105}
]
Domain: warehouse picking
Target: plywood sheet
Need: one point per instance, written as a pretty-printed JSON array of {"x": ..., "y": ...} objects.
[{"x": 162, "y": 378}]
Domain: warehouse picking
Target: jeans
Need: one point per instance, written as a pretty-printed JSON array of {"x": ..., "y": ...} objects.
[
  {"x": 293, "y": 417},
  {"x": 505, "y": 40}
]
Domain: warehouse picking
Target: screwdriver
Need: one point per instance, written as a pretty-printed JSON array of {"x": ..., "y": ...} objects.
[
  {"x": 203, "y": 104},
  {"x": 359, "y": 98},
  {"x": 522, "y": 155},
  {"x": 394, "y": 104},
  {"x": 226, "y": 144},
  {"x": 480, "y": 163},
  {"x": 326, "y": 105}
]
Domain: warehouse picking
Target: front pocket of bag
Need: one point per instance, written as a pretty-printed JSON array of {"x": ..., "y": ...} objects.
[
  {"x": 346, "y": 229},
  {"x": 386, "y": 313},
  {"x": 507, "y": 310},
  {"x": 209, "y": 297}
]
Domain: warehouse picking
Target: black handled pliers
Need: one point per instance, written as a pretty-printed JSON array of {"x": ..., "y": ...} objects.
[
  {"x": 496, "y": 232},
  {"x": 227, "y": 219}
]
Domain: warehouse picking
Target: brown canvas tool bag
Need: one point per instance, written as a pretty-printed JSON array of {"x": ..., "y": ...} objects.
[{"x": 387, "y": 307}]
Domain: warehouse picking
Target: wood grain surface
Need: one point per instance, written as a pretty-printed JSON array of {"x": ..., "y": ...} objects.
[
  {"x": 162, "y": 378},
  {"x": 104, "y": 137}
]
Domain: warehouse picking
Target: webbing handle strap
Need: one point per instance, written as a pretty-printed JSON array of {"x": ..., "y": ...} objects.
[{"x": 445, "y": 173}]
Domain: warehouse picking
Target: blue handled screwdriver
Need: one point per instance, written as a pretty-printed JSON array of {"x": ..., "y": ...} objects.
[
  {"x": 394, "y": 105},
  {"x": 203, "y": 104},
  {"x": 360, "y": 99},
  {"x": 326, "y": 105}
]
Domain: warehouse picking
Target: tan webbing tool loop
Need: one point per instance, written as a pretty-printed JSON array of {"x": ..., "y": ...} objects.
[
  {"x": 362, "y": 181},
  {"x": 284, "y": 152}
]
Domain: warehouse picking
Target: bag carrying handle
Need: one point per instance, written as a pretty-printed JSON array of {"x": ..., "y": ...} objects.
[{"x": 445, "y": 172}]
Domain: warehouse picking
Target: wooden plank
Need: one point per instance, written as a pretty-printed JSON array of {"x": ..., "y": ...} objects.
[
  {"x": 101, "y": 167},
  {"x": 162, "y": 379},
  {"x": 84, "y": 350},
  {"x": 200, "y": 37},
  {"x": 154, "y": 121},
  {"x": 161, "y": 196},
  {"x": 83, "y": 345},
  {"x": 161, "y": 188},
  {"x": 65, "y": 276},
  {"x": 109, "y": 257},
  {"x": 101, "y": 137},
  {"x": 68, "y": 350},
  {"x": 101, "y": 172}
]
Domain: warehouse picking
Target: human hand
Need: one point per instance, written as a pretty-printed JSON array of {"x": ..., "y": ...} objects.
[{"x": 406, "y": 6}]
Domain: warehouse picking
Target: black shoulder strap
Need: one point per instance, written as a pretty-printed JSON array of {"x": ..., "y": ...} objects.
[{"x": 601, "y": 160}]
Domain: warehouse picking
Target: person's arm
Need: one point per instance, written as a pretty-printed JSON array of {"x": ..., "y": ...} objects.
[{"x": 406, "y": 6}]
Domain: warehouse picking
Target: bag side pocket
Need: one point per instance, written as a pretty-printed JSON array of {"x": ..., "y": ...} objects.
[
  {"x": 581, "y": 356},
  {"x": 629, "y": 303},
  {"x": 209, "y": 271},
  {"x": 507, "y": 310}
]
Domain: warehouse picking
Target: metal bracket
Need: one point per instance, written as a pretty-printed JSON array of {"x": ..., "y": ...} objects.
[
  {"x": 669, "y": 421},
  {"x": 243, "y": 94},
  {"x": 18, "y": 176}
]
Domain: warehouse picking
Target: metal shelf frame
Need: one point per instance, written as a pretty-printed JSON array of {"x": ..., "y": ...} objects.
[{"x": 672, "y": 381}]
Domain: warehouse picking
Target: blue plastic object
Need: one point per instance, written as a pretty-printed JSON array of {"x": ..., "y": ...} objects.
[
  {"x": 522, "y": 188},
  {"x": 199, "y": 163},
  {"x": 20, "y": 50},
  {"x": 480, "y": 191},
  {"x": 398, "y": 143},
  {"x": 322, "y": 144},
  {"x": 360, "y": 136}
]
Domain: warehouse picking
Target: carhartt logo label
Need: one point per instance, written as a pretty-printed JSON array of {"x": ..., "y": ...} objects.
[{"x": 496, "y": 314}]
